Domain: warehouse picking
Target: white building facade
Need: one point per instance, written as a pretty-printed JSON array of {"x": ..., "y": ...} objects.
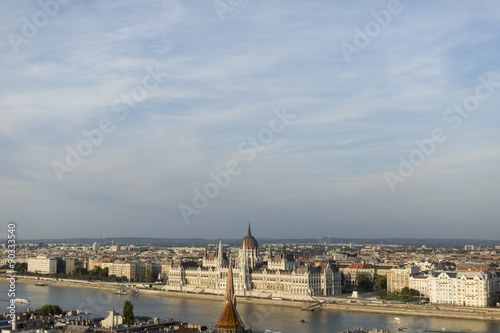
[
  {"x": 469, "y": 288},
  {"x": 279, "y": 278},
  {"x": 420, "y": 283},
  {"x": 42, "y": 265}
]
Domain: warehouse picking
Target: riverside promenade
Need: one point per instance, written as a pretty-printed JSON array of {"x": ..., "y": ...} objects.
[{"x": 348, "y": 305}]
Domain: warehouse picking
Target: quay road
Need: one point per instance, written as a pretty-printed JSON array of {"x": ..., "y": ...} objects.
[{"x": 432, "y": 310}]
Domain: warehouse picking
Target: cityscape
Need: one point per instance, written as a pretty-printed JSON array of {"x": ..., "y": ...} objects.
[
  {"x": 231, "y": 166},
  {"x": 379, "y": 278}
]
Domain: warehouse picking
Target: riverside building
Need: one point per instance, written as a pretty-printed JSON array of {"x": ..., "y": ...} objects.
[
  {"x": 477, "y": 288},
  {"x": 274, "y": 276},
  {"x": 42, "y": 265},
  {"x": 470, "y": 288}
]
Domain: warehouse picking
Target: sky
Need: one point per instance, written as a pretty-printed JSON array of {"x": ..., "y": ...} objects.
[{"x": 306, "y": 118}]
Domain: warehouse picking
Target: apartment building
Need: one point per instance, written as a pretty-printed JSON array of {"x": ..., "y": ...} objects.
[
  {"x": 470, "y": 288},
  {"x": 399, "y": 278},
  {"x": 42, "y": 265}
]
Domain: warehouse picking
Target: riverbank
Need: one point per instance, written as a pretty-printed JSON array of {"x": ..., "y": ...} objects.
[
  {"x": 439, "y": 311},
  {"x": 66, "y": 283}
]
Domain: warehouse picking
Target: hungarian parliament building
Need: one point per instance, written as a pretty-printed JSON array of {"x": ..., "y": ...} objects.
[{"x": 278, "y": 276}]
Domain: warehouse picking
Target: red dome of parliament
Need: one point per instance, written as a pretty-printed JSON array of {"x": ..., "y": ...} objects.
[{"x": 249, "y": 241}]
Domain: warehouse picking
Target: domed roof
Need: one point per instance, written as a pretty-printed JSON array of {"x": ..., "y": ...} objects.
[{"x": 249, "y": 242}]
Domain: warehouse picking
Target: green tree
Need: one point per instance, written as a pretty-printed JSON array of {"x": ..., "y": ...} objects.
[
  {"x": 80, "y": 271},
  {"x": 98, "y": 273},
  {"x": 49, "y": 310},
  {"x": 364, "y": 283},
  {"x": 149, "y": 276},
  {"x": 128, "y": 313},
  {"x": 20, "y": 268},
  {"x": 379, "y": 282},
  {"x": 409, "y": 292},
  {"x": 413, "y": 292}
]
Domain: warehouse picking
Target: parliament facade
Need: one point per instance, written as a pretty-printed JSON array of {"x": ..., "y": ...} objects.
[{"x": 273, "y": 276}]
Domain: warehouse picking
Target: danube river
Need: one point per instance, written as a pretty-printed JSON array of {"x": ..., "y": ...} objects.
[{"x": 258, "y": 317}]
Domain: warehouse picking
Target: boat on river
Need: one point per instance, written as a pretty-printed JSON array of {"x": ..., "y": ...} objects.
[
  {"x": 21, "y": 301},
  {"x": 123, "y": 291}
]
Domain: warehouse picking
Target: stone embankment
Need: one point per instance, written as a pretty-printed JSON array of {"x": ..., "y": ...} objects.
[
  {"x": 441, "y": 311},
  {"x": 457, "y": 312}
]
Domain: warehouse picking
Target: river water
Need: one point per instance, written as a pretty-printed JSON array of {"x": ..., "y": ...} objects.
[{"x": 258, "y": 317}]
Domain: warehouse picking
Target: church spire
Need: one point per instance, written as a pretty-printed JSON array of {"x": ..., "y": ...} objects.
[
  {"x": 230, "y": 297},
  {"x": 249, "y": 230},
  {"x": 244, "y": 270},
  {"x": 229, "y": 321},
  {"x": 219, "y": 253}
]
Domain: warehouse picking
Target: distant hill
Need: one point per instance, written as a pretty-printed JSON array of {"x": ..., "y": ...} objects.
[{"x": 430, "y": 242}]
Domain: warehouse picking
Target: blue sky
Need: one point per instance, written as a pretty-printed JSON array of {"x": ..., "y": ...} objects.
[{"x": 358, "y": 84}]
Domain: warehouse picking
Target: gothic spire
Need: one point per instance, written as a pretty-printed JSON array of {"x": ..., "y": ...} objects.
[
  {"x": 229, "y": 320},
  {"x": 219, "y": 254},
  {"x": 230, "y": 297}
]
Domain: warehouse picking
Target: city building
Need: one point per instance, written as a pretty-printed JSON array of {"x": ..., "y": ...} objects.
[
  {"x": 42, "y": 265},
  {"x": 470, "y": 288},
  {"x": 469, "y": 247},
  {"x": 419, "y": 283},
  {"x": 96, "y": 247},
  {"x": 352, "y": 272},
  {"x": 70, "y": 264},
  {"x": 122, "y": 268},
  {"x": 399, "y": 278},
  {"x": 280, "y": 276}
]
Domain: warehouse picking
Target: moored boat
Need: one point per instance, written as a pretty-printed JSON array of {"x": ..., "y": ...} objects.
[
  {"x": 21, "y": 301},
  {"x": 124, "y": 291}
]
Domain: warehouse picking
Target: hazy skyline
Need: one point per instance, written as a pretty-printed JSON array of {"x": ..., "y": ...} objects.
[{"x": 310, "y": 119}]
